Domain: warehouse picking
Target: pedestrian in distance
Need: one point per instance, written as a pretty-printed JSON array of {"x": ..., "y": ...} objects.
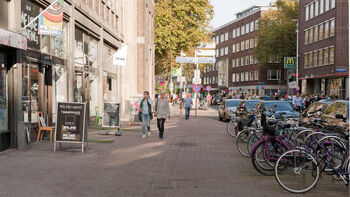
[
  {"x": 187, "y": 104},
  {"x": 242, "y": 96},
  {"x": 298, "y": 102},
  {"x": 162, "y": 111},
  {"x": 146, "y": 109}
]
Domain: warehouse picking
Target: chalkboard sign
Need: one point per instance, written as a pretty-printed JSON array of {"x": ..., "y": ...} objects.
[
  {"x": 111, "y": 115},
  {"x": 70, "y": 122}
]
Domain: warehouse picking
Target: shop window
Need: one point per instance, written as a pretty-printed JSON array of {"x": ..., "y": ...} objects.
[
  {"x": 59, "y": 43},
  {"x": 59, "y": 88},
  {"x": 273, "y": 75},
  {"x": 3, "y": 97},
  {"x": 30, "y": 93},
  {"x": 78, "y": 86},
  {"x": 46, "y": 44}
]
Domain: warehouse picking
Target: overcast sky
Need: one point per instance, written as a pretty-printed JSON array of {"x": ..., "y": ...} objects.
[{"x": 225, "y": 10}]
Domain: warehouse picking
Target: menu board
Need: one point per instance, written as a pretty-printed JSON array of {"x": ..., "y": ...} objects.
[
  {"x": 111, "y": 115},
  {"x": 70, "y": 122}
]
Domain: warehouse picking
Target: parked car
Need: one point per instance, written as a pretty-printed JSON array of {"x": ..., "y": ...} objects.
[
  {"x": 217, "y": 100},
  {"x": 247, "y": 106},
  {"x": 315, "y": 110},
  {"x": 336, "y": 117},
  {"x": 228, "y": 108},
  {"x": 266, "y": 98},
  {"x": 278, "y": 107}
]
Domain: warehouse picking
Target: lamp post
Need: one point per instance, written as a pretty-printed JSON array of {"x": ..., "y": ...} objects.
[{"x": 297, "y": 55}]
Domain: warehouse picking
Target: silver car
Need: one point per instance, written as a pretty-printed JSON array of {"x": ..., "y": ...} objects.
[{"x": 228, "y": 108}]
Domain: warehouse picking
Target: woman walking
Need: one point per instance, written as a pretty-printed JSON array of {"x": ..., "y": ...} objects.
[
  {"x": 162, "y": 111},
  {"x": 146, "y": 110}
]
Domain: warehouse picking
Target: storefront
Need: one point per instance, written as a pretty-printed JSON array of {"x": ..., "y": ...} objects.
[{"x": 333, "y": 87}]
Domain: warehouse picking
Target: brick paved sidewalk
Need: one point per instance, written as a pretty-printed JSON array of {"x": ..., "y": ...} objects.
[{"x": 196, "y": 158}]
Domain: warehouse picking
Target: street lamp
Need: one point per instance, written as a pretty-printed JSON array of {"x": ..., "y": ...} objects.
[{"x": 297, "y": 55}]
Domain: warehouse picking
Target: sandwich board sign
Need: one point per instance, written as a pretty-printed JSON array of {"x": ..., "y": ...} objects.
[{"x": 70, "y": 124}]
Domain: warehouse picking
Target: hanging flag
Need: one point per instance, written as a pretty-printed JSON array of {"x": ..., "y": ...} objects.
[
  {"x": 119, "y": 58},
  {"x": 50, "y": 22}
]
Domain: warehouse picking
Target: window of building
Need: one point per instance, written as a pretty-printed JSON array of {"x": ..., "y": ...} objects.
[
  {"x": 326, "y": 2},
  {"x": 311, "y": 10},
  {"x": 321, "y": 35},
  {"x": 233, "y": 77},
  {"x": 316, "y": 8},
  {"x": 306, "y": 37},
  {"x": 311, "y": 36},
  {"x": 226, "y": 36},
  {"x": 247, "y": 29},
  {"x": 242, "y": 76},
  {"x": 242, "y": 46},
  {"x": 238, "y": 30},
  {"x": 256, "y": 75},
  {"x": 252, "y": 26},
  {"x": 217, "y": 40},
  {"x": 256, "y": 24},
  {"x": 246, "y": 76},
  {"x": 226, "y": 50},
  {"x": 251, "y": 59},
  {"x": 247, "y": 60},
  {"x": 315, "y": 58},
  {"x": 326, "y": 56},
  {"x": 234, "y": 62},
  {"x": 238, "y": 62},
  {"x": 242, "y": 30},
  {"x": 237, "y": 77},
  {"x": 331, "y": 55},
  {"x": 255, "y": 60},
  {"x": 320, "y": 57},
  {"x": 217, "y": 53},
  {"x": 251, "y": 77},
  {"x": 247, "y": 44},
  {"x": 242, "y": 61},
  {"x": 326, "y": 29},
  {"x": 333, "y": 4},
  {"x": 252, "y": 43},
  {"x": 237, "y": 47},
  {"x": 255, "y": 42},
  {"x": 306, "y": 60},
  {"x": 97, "y": 6},
  {"x": 273, "y": 75},
  {"x": 222, "y": 51},
  {"x": 332, "y": 28},
  {"x": 234, "y": 48},
  {"x": 306, "y": 13},
  {"x": 316, "y": 33},
  {"x": 310, "y": 60},
  {"x": 234, "y": 33},
  {"x": 321, "y": 6},
  {"x": 222, "y": 38}
]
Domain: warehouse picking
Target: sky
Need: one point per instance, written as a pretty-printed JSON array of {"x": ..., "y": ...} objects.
[{"x": 225, "y": 10}]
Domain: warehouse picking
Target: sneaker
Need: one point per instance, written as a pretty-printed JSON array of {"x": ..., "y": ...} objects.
[
  {"x": 149, "y": 134},
  {"x": 143, "y": 136}
]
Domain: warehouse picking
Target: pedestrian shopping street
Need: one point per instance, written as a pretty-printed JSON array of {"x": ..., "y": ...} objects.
[{"x": 196, "y": 158}]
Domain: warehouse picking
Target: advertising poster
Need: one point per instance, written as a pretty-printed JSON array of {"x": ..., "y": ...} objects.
[
  {"x": 70, "y": 122},
  {"x": 111, "y": 115},
  {"x": 135, "y": 105},
  {"x": 50, "y": 22},
  {"x": 29, "y": 11}
]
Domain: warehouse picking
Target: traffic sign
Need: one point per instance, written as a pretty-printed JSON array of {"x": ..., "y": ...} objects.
[
  {"x": 207, "y": 45},
  {"x": 185, "y": 59},
  {"x": 292, "y": 84},
  {"x": 208, "y": 88},
  {"x": 289, "y": 62},
  {"x": 206, "y": 60},
  {"x": 196, "y": 88},
  {"x": 201, "y": 52}
]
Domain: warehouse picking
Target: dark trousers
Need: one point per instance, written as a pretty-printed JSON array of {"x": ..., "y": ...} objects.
[
  {"x": 187, "y": 114},
  {"x": 160, "y": 125}
]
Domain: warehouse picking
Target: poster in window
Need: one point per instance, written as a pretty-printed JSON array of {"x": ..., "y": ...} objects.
[
  {"x": 70, "y": 123},
  {"x": 29, "y": 11}
]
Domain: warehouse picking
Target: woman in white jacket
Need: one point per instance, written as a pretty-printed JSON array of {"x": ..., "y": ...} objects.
[{"x": 162, "y": 111}]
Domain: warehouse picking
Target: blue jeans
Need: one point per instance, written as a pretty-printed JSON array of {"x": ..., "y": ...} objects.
[
  {"x": 145, "y": 123},
  {"x": 187, "y": 114}
]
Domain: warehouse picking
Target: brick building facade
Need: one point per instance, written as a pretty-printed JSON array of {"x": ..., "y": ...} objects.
[
  {"x": 236, "y": 69},
  {"x": 324, "y": 47}
]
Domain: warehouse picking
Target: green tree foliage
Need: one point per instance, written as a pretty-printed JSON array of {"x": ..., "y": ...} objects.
[
  {"x": 179, "y": 25},
  {"x": 276, "y": 35}
]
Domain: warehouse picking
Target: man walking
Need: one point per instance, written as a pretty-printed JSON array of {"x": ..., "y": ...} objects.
[
  {"x": 187, "y": 104},
  {"x": 162, "y": 111},
  {"x": 298, "y": 102},
  {"x": 145, "y": 108}
]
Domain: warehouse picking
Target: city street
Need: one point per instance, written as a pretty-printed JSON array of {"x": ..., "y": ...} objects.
[{"x": 196, "y": 158}]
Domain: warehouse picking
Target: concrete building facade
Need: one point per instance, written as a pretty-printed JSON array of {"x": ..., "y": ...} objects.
[
  {"x": 324, "y": 47},
  {"x": 236, "y": 69},
  {"x": 74, "y": 67}
]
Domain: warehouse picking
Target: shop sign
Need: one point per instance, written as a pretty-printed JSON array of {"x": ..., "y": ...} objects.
[
  {"x": 50, "y": 22},
  {"x": 289, "y": 62},
  {"x": 70, "y": 122},
  {"x": 111, "y": 115},
  {"x": 29, "y": 12},
  {"x": 13, "y": 40}
]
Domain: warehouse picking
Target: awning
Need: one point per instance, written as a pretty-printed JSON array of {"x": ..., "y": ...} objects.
[{"x": 12, "y": 39}]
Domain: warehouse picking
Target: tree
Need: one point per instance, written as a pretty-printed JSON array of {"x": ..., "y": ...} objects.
[
  {"x": 276, "y": 35},
  {"x": 179, "y": 25}
]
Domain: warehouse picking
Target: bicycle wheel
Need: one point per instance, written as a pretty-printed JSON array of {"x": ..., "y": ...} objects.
[
  {"x": 241, "y": 142},
  {"x": 258, "y": 159},
  {"x": 300, "y": 171},
  {"x": 252, "y": 141},
  {"x": 232, "y": 129}
]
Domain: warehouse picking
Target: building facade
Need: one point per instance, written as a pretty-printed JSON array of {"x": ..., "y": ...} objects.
[
  {"x": 236, "y": 69},
  {"x": 74, "y": 67},
  {"x": 324, "y": 47}
]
